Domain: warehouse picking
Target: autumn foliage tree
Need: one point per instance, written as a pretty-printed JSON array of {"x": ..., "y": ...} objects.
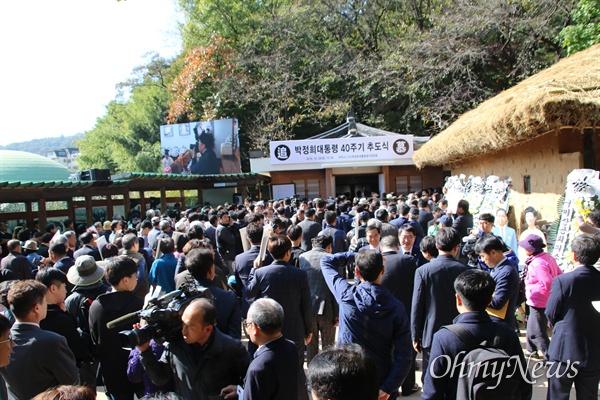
[{"x": 195, "y": 93}]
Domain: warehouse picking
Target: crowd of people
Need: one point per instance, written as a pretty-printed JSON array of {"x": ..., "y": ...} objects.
[{"x": 392, "y": 277}]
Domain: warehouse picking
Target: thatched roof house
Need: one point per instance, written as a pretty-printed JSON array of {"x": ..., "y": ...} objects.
[{"x": 565, "y": 95}]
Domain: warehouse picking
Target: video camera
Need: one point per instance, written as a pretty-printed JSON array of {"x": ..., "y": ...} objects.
[
  {"x": 163, "y": 317},
  {"x": 468, "y": 250}
]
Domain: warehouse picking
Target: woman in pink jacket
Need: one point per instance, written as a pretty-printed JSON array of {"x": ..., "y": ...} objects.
[{"x": 541, "y": 271}]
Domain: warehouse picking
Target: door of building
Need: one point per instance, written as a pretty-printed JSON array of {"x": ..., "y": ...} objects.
[{"x": 357, "y": 185}]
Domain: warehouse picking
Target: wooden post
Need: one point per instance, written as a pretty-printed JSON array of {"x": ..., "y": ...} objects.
[
  {"x": 43, "y": 220},
  {"x": 200, "y": 197},
  {"x": 163, "y": 200},
  {"x": 182, "y": 199},
  {"x": 329, "y": 183},
  {"x": 127, "y": 203},
  {"x": 385, "y": 170},
  {"x": 110, "y": 209},
  {"x": 29, "y": 215},
  {"x": 89, "y": 214},
  {"x": 71, "y": 210},
  {"x": 142, "y": 203}
]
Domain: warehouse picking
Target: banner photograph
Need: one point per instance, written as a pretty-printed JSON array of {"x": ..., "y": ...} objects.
[
  {"x": 203, "y": 148},
  {"x": 342, "y": 149}
]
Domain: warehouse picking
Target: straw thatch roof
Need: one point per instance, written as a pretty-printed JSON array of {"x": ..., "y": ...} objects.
[{"x": 565, "y": 95}]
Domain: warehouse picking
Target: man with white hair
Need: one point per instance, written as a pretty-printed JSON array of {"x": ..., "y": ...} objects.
[{"x": 273, "y": 373}]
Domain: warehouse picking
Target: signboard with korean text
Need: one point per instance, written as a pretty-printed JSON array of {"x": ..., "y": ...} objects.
[{"x": 342, "y": 150}]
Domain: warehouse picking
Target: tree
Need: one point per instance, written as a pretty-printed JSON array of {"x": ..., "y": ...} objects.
[
  {"x": 127, "y": 138},
  {"x": 586, "y": 30}
]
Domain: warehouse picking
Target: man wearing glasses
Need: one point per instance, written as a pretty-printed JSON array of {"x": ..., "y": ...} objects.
[{"x": 273, "y": 374}]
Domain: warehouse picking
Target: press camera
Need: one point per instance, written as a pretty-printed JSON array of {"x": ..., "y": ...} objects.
[{"x": 162, "y": 315}]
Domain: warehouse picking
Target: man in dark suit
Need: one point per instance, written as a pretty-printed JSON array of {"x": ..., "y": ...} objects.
[
  {"x": 433, "y": 302},
  {"x": 325, "y": 308},
  {"x": 88, "y": 247},
  {"x": 413, "y": 219},
  {"x": 288, "y": 286},
  {"x": 211, "y": 230},
  {"x": 463, "y": 223},
  {"x": 121, "y": 274},
  {"x": 425, "y": 214},
  {"x": 244, "y": 263},
  {"x": 339, "y": 237},
  {"x": 273, "y": 373},
  {"x": 58, "y": 255},
  {"x": 575, "y": 325},
  {"x": 474, "y": 289},
  {"x": 491, "y": 251},
  {"x": 402, "y": 219},
  {"x": 15, "y": 262},
  {"x": 399, "y": 278},
  {"x": 200, "y": 263},
  {"x": 409, "y": 242},
  {"x": 226, "y": 240},
  {"x": 40, "y": 359},
  {"x": 310, "y": 229}
]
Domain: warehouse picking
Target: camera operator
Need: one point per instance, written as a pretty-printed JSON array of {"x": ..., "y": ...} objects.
[
  {"x": 205, "y": 362},
  {"x": 486, "y": 223}
]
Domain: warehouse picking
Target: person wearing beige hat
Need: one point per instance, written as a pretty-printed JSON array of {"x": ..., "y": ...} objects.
[
  {"x": 30, "y": 249},
  {"x": 87, "y": 278}
]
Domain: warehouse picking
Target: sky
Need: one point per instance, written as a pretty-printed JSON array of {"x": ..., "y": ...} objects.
[{"x": 61, "y": 59}]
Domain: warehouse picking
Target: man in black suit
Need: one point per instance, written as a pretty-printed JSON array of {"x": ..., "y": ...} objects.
[
  {"x": 402, "y": 219},
  {"x": 211, "y": 230},
  {"x": 41, "y": 359},
  {"x": 288, "y": 286},
  {"x": 88, "y": 247},
  {"x": 226, "y": 241},
  {"x": 433, "y": 304},
  {"x": 244, "y": 263},
  {"x": 491, "y": 250},
  {"x": 58, "y": 255},
  {"x": 463, "y": 223},
  {"x": 399, "y": 278},
  {"x": 121, "y": 274},
  {"x": 273, "y": 373},
  {"x": 15, "y": 262},
  {"x": 325, "y": 308},
  {"x": 310, "y": 229},
  {"x": 409, "y": 243},
  {"x": 575, "y": 325},
  {"x": 425, "y": 214},
  {"x": 200, "y": 263}
]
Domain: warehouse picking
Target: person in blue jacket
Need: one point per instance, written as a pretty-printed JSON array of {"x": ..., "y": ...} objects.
[{"x": 369, "y": 315}]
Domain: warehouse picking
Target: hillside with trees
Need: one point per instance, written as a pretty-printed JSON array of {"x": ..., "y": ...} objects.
[
  {"x": 291, "y": 69},
  {"x": 41, "y": 146}
]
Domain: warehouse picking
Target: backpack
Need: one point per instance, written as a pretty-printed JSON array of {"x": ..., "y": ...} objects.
[
  {"x": 83, "y": 314},
  {"x": 489, "y": 372}
]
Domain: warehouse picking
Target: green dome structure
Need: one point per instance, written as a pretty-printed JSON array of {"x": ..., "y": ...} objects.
[{"x": 21, "y": 166}]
